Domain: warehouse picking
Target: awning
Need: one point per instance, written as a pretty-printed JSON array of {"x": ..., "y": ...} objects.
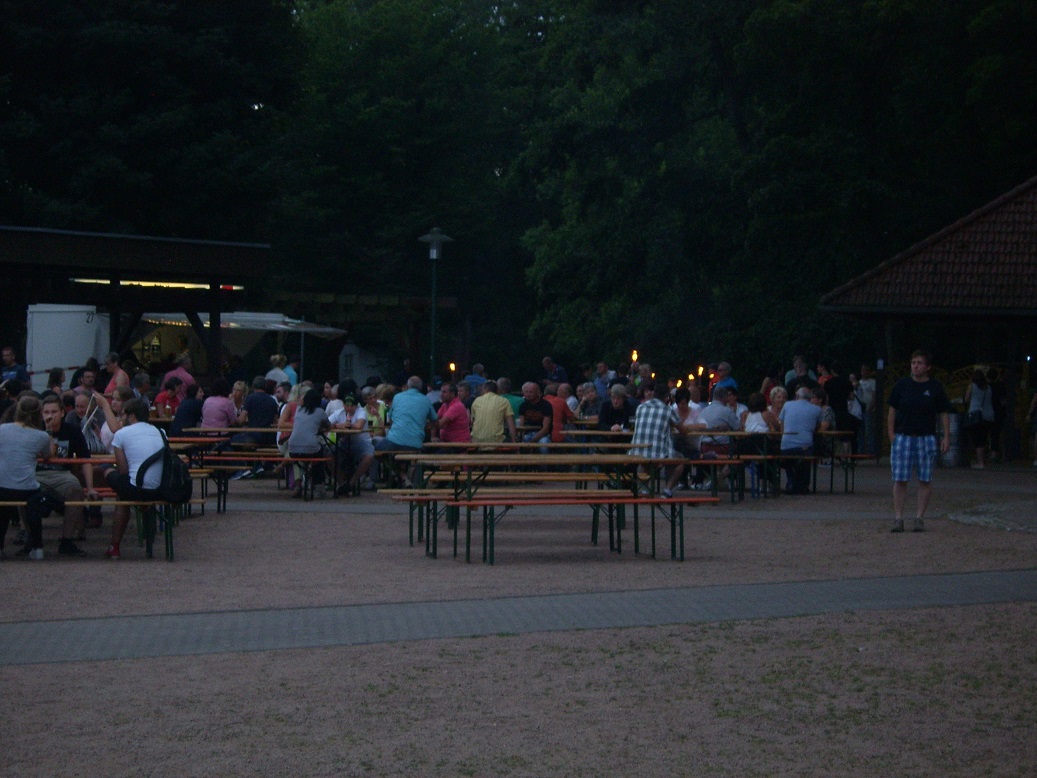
[{"x": 264, "y": 322}]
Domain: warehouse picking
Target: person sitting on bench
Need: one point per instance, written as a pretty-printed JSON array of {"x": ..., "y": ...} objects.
[{"x": 134, "y": 442}]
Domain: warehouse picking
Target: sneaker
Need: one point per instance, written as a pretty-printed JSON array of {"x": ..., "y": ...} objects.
[
  {"x": 258, "y": 472},
  {"x": 113, "y": 551},
  {"x": 69, "y": 548},
  {"x": 643, "y": 491},
  {"x": 898, "y": 526},
  {"x": 36, "y": 554},
  {"x": 241, "y": 474},
  {"x": 918, "y": 526},
  {"x": 667, "y": 492},
  {"x": 705, "y": 486}
]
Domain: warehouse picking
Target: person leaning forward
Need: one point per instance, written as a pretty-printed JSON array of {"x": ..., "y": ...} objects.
[{"x": 133, "y": 443}]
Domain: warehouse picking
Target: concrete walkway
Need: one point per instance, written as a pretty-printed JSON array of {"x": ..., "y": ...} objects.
[{"x": 132, "y": 637}]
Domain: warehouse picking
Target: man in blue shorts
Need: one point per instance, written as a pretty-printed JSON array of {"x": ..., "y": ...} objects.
[{"x": 914, "y": 406}]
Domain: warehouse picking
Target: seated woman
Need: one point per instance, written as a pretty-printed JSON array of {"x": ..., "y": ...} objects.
[
  {"x": 168, "y": 400},
  {"x": 20, "y": 444},
  {"x": 356, "y": 447},
  {"x": 306, "y": 439}
]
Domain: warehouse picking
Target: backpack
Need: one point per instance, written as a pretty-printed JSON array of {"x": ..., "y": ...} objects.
[{"x": 176, "y": 486}]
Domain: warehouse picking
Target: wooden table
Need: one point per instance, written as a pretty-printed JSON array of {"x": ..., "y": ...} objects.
[
  {"x": 564, "y": 447},
  {"x": 470, "y": 471}
]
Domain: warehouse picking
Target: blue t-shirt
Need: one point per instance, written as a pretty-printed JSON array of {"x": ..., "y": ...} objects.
[
  {"x": 409, "y": 412},
  {"x": 798, "y": 421}
]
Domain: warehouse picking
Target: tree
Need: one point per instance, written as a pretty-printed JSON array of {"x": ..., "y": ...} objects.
[{"x": 143, "y": 117}]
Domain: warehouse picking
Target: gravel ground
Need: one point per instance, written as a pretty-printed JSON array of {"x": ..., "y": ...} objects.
[{"x": 947, "y": 691}]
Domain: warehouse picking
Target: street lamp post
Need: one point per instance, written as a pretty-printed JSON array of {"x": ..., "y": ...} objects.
[{"x": 435, "y": 240}]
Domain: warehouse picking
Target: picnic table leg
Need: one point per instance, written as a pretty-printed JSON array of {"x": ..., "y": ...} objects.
[
  {"x": 468, "y": 536},
  {"x": 222, "y": 485},
  {"x": 170, "y": 519},
  {"x": 651, "y": 510},
  {"x": 673, "y": 531},
  {"x": 427, "y": 520},
  {"x": 612, "y": 527},
  {"x": 594, "y": 524},
  {"x": 493, "y": 525},
  {"x": 620, "y": 521},
  {"x": 485, "y": 538},
  {"x": 680, "y": 518},
  {"x": 637, "y": 532}
]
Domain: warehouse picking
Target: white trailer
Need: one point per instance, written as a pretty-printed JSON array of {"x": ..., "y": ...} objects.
[{"x": 63, "y": 336}]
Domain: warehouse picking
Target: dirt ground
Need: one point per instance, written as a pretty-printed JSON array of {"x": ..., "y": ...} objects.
[{"x": 941, "y": 691}]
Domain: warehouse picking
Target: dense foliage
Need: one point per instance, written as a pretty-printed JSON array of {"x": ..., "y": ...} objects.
[{"x": 685, "y": 177}]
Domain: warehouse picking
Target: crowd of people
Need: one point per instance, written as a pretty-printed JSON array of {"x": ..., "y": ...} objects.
[{"x": 99, "y": 410}]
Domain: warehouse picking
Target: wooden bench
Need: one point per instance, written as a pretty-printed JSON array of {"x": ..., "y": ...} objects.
[
  {"x": 673, "y": 508},
  {"x": 221, "y": 473},
  {"x": 424, "y": 504},
  {"x": 149, "y": 514}
]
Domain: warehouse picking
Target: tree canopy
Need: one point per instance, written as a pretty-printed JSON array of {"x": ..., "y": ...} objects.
[{"x": 684, "y": 177}]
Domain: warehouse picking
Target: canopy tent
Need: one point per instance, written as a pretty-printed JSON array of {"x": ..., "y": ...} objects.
[
  {"x": 241, "y": 331},
  {"x": 247, "y": 320}
]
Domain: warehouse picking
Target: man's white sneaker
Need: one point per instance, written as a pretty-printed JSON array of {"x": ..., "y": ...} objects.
[{"x": 36, "y": 554}]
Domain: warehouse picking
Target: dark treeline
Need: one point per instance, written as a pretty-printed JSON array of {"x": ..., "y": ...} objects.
[{"x": 683, "y": 177}]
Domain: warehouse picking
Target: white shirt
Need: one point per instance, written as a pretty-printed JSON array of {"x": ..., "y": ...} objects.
[{"x": 139, "y": 441}]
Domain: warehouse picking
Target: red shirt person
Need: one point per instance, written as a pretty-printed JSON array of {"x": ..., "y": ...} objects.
[{"x": 454, "y": 425}]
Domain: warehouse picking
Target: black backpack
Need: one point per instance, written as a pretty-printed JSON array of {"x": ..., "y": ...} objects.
[{"x": 176, "y": 486}]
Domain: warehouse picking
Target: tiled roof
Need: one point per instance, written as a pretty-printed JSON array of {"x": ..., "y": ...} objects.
[{"x": 985, "y": 263}]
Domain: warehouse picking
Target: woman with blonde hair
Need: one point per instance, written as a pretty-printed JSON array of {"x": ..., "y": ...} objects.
[
  {"x": 237, "y": 394},
  {"x": 276, "y": 372}
]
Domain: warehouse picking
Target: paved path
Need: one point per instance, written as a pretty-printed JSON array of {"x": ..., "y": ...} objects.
[{"x": 129, "y": 637}]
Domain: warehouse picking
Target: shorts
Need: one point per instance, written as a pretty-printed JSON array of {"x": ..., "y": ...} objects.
[
  {"x": 126, "y": 489},
  {"x": 913, "y": 454},
  {"x": 59, "y": 485}
]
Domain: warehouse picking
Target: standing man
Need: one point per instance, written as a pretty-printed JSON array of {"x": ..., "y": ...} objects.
[
  {"x": 724, "y": 379},
  {"x": 87, "y": 380},
  {"x": 554, "y": 373},
  {"x": 292, "y": 369},
  {"x": 914, "y": 405},
  {"x": 865, "y": 391},
  {"x": 476, "y": 378},
  {"x": 183, "y": 372},
  {"x": 117, "y": 376},
  {"x": 654, "y": 423},
  {"x": 602, "y": 379},
  {"x": 11, "y": 368}
]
